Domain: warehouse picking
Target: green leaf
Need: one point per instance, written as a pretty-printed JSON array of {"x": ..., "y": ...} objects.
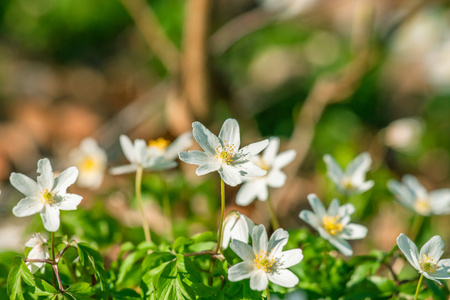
[
  {"x": 43, "y": 288},
  {"x": 91, "y": 258},
  {"x": 18, "y": 272},
  {"x": 79, "y": 291},
  {"x": 181, "y": 243}
]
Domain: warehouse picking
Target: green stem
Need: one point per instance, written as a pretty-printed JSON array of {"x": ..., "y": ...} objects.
[
  {"x": 273, "y": 216},
  {"x": 53, "y": 258},
  {"x": 268, "y": 293},
  {"x": 141, "y": 206},
  {"x": 418, "y": 287},
  {"x": 222, "y": 213},
  {"x": 166, "y": 207},
  {"x": 416, "y": 227}
]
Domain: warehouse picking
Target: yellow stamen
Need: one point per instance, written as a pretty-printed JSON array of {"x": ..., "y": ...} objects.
[
  {"x": 427, "y": 264},
  {"x": 47, "y": 197},
  {"x": 87, "y": 164},
  {"x": 332, "y": 224},
  {"x": 226, "y": 153},
  {"x": 264, "y": 261},
  {"x": 346, "y": 183},
  {"x": 262, "y": 164},
  {"x": 422, "y": 206},
  {"x": 160, "y": 143}
]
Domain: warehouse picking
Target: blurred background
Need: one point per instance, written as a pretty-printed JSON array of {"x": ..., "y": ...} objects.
[{"x": 339, "y": 77}]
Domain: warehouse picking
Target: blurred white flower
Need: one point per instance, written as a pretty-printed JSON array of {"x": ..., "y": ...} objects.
[
  {"x": 403, "y": 134},
  {"x": 47, "y": 196},
  {"x": 265, "y": 260},
  {"x": 237, "y": 226},
  {"x": 39, "y": 251},
  {"x": 91, "y": 160},
  {"x": 157, "y": 155},
  {"x": 352, "y": 181},
  {"x": 288, "y": 8},
  {"x": 414, "y": 196},
  {"x": 428, "y": 261},
  {"x": 334, "y": 224},
  {"x": 294, "y": 295},
  {"x": 222, "y": 154},
  {"x": 258, "y": 187}
]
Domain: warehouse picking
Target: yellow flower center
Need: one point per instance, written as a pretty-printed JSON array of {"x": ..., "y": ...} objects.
[
  {"x": 160, "y": 143},
  {"x": 87, "y": 164},
  {"x": 47, "y": 197},
  {"x": 346, "y": 183},
  {"x": 262, "y": 164},
  {"x": 427, "y": 264},
  {"x": 332, "y": 224},
  {"x": 264, "y": 261},
  {"x": 226, "y": 153},
  {"x": 422, "y": 206}
]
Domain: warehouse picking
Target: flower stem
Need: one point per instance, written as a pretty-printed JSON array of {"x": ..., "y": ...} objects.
[
  {"x": 166, "y": 207},
  {"x": 273, "y": 216},
  {"x": 222, "y": 213},
  {"x": 416, "y": 227},
  {"x": 418, "y": 287},
  {"x": 141, "y": 206},
  {"x": 53, "y": 258},
  {"x": 268, "y": 293}
]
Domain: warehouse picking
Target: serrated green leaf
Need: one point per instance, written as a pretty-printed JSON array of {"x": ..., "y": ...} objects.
[
  {"x": 91, "y": 258},
  {"x": 181, "y": 243},
  {"x": 18, "y": 273}
]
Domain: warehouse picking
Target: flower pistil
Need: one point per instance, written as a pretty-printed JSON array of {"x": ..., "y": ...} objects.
[
  {"x": 264, "y": 261},
  {"x": 332, "y": 224},
  {"x": 47, "y": 197},
  {"x": 422, "y": 205},
  {"x": 226, "y": 153},
  {"x": 428, "y": 264}
]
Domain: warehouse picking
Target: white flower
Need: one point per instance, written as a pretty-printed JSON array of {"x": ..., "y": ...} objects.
[
  {"x": 222, "y": 154},
  {"x": 265, "y": 260},
  {"x": 47, "y": 196},
  {"x": 352, "y": 181},
  {"x": 157, "y": 155},
  {"x": 415, "y": 197},
  {"x": 91, "y": 161},
  {"x": 237, "y": 226},
  {"x": 39, "y": 251},
  {"x": 258, "y": 187},
  {"x": 428, "y": 261},
  {"x": 334, "y": 224}
]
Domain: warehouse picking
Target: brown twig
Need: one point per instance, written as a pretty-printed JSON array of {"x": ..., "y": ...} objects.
[{"x": 147, "y": 23}]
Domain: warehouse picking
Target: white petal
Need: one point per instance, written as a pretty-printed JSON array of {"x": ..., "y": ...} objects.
[
  {"x": 259, "y": 238},
  {"x": 283, "y": 159},
  {"x": 249, "y": 169},
  {"x": 358, "y": 168},
  {"x": 38, "y": 252},
  {"x": 444, "y": 269},
  {"x": 243, "y": 250},
  {"x": 127, "y": 148},
  {"x": 354, "y": 232},
  {"x": 228, "y": 225},
  {"x": 429, "y": 276},
  {"x": 254, "y": 148},
  {"x": 316, "y": 205},
  {"x": 183, "y": 142},
  {"x": 440, "y": 201},
  {"x": 65, "y": 179},
  {"x": 290, "y": 258},
  {"x": 434, "y": 248},
  {"x": 205, "y": 138},
  {"x": 229, "y": 133},
  {"x": 208, "y": 167},
  {"x": 240, "y": 230},
  {"x": 28, "y": 206},
  {"x": 342, "y": 245},
  {"x": 414, "y": 185},
  {"x": 262, "y": 191},
  {"x": 159, "y": 164},
  {"x": 276, "y": 178},
  {"x": 230, "y": 175},
  {"x": 50, "y": 218},
  {"x": 259, "y": 281},
  {"x": 402, "y": 193},
  {"x": 240, "y": 271},
  {"x": 140, "y": 151},
  {"x": 277, "y": 241},
  {"x": 409, "y": 249},
  {"x": 334, "y": 171},
  {"x": 46, "y": 179},
  {"x": 333, "y": 209},
  {"x": 271, "y": 151},
  {"x": 283, "y": 278},
  {"x": 195, "y": 157},
  {"x": 310, "y": 218},
  {"x": 346, "y": 210},
  {"x": 123, "y": 169},
  {"x": 365, "y": 186},
  {"x": 247, "y": 193},
  {"x": 35, "y": 240},
  {"x": 69, "y": 202},
  {"x": 24, "y": 184}
]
